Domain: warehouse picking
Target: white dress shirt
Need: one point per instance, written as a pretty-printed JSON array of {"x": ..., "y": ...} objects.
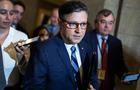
[
  {"x": 8, "y": 62},
  {"x": 68, "y": 47},
  {"x": 99, "y": 47}
]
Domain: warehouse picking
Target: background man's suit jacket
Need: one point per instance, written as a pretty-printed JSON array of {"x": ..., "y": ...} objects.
[
  {"x": 20, "y": 28},
  {"x": 50, "y": 68},
  {"x": 115, "y": 55}
]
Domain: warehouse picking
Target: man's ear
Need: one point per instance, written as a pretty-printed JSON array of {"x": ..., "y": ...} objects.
[
  {"x": 95, "y": 23},
  {"x": 59, "y": 22}
]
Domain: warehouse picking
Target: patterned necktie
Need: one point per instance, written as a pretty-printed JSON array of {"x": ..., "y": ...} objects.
[
  {"x": 74, "y": 63},
  {"x": 105, "y": 83},
  {"x": 2, "y": 75}
]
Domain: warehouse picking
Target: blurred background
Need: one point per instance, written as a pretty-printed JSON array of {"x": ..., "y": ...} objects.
[{"x": 127, "y": 26}]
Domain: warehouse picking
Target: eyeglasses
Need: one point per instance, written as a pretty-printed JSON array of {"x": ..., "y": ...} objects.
[
  {"x": 74, "y": 25},
  {"x": 4, "y": 12}
]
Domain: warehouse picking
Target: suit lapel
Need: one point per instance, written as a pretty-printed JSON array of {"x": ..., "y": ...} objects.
[
  {"x": 109, "y": 42},
  {"x": 65, "y": 58},
  {"x": 80, "y": 74},
  {"x": 94, "y": 45},
  {"x": 82, "y": 51}
]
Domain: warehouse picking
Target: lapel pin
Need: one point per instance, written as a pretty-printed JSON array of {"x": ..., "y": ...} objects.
[{"x": 94, "y": 53}]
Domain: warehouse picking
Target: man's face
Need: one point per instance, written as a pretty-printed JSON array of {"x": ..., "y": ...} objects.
[
  {"x": 74, "y": 27},
  {"x": 54, "y": 18},
  {"x": 18, "y": 13},
  {"x": 6, "y": 14},
  {"x": 104, "y": 25}
]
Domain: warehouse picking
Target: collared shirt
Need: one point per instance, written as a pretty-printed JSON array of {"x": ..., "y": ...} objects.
[
  {"x": 99, "y": 47},
  {"x": 14, "y": 26},
  {"x": 68, "y": 47},
  {"x": 8, "y": 62},
  {"x": 52, "y": 29}
]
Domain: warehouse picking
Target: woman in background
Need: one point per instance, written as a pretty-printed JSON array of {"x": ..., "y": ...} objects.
[{"x": 43, "y": 33}]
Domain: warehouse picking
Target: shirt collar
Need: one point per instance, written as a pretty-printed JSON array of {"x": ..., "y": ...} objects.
[{"x": 99, "y": 36}]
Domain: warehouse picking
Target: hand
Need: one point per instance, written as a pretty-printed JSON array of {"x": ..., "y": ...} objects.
[
  {"x": 20, "y": 51},
  {"x": 91, "y": 87},
  {"x": 126, "y": 83}
]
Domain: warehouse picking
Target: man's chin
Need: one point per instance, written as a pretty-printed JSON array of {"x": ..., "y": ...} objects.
[
  {"x": 15, "y": 22},
  {"x": 76, "y": 41}
]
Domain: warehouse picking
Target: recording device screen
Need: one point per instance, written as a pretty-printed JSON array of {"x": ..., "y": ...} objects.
[
  {"x": 28, "y": 41},
  {"x": 131, "y": 77}
]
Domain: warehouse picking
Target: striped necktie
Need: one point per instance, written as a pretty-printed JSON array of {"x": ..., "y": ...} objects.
[
  {"x": 74, "y": 63},
  {"x": 2, "y": 75}
]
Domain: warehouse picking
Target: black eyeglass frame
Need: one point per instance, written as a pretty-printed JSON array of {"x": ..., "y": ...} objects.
[{"x": 74, "y": 25}]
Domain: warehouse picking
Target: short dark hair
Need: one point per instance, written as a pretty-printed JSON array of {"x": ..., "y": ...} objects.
[
  {"x": 70, "y": 7},
  {"x": 20, "y": 3},
  {"x": 104, "y": 12}
]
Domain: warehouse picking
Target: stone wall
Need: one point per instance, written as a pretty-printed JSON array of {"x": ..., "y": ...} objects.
[
  {"x": 30, "y": 15},
  {"x": 93, "y": 7},
  {"x": 129, "y": 33}
]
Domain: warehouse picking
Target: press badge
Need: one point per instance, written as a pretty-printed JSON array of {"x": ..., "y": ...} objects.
[{"x": 101, "y": 74}]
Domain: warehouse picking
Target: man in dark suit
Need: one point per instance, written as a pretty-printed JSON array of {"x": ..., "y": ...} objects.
[
  {"x": 19, "y": 9},
  {"x": 54, "y": 64},
  {"x": 112, "y": 53}
]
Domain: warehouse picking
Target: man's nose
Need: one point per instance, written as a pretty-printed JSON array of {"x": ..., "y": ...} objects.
[
  {"x": 106, "y": 25},
  {"x": 78, "y": 29}
]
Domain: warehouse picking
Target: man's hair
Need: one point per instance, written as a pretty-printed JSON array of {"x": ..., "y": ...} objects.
[
  {"x": 54, "y": 9},
  {"x": 70, "y": 7},
  {"x": 8, "y": 0},
  {"x": 104, "y": 12},
  {"x": 20, "y": 3}
]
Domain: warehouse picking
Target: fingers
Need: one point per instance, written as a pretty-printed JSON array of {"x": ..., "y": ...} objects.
[
  {"x": 126, "y": 83},
  {"x": 20, "y": 50},
  {"x": 91, "y": 87}
]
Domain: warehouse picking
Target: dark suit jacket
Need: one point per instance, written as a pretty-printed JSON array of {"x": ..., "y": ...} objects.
[
  {"x": 50, "y": 68},
  {"x": 115, "y": 55},
  {"x": 20, "y": 28}
]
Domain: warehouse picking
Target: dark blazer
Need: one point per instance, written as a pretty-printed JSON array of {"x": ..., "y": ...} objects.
[
  {"x": 20, "y": 28},
  {"x": 115, "y": 55},
  {"x": 50, "y": 68}
]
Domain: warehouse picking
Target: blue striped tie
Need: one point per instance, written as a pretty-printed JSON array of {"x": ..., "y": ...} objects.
[{"x": 74, "y": 62}]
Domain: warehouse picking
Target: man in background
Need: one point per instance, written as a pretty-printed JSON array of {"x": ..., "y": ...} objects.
[
  {"x": 19, "y": 9},
  {"x": 53, "y": 26},
  {"x": 108, "y": 50}
]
